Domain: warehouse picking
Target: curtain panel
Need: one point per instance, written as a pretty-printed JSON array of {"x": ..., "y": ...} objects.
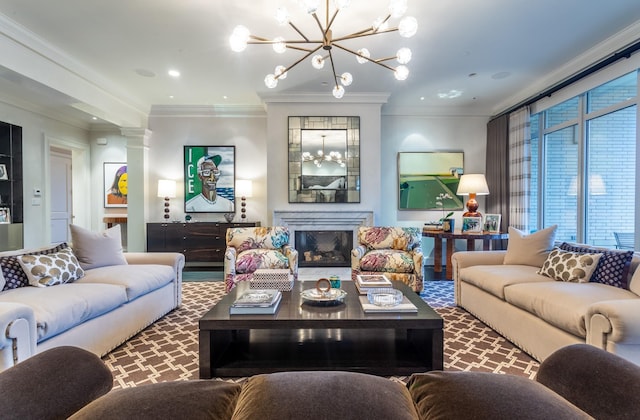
[
  {"x": 497, "y": 169},
  {"x": 520, "y": 168}
]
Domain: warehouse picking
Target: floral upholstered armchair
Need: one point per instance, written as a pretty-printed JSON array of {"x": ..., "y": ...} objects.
[
  {"x": 393, "y": 251},
  {"x": 250, "y": 249}
]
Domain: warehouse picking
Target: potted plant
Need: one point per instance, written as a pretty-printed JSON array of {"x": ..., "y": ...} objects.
[{"x": 446, "y": 221}]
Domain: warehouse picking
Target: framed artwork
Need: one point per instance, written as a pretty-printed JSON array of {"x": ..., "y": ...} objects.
[
  {"x": 3, "y": 172},
  {"x": 209, "y": 179},
  {"x": 492, "y": 223},
  {"x": 472, "y": 224},
  {"x": 5, "y": 215},
  {"x": 115, "y": 184},
  {"x": 423, "y": 177}
]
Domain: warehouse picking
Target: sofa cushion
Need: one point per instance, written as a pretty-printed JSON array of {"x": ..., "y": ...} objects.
[
  {"x": 12, "y": 271},
  {"x": 60, "y": 308},
  {"x": 494, "y": 278},
  {"x": 196, "y": 399},
  {"x": 482, "y": 395},
  {"x": 612, "y": 268},
  {"x": 561, "y": 304},
  {"x": 97, "y": 249},
  {"x": 389, "y": 260},
  {"x": 575, "y": 267},
  {"x": 137, "y": 279},
  {"x": 51, "y": 269},
  {"x": 323, "y": 395},
  {"x": 530, "y": 249},
  {"x": 252, "y": 259}
]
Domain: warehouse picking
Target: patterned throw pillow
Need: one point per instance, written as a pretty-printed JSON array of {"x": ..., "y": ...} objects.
[
  {"x": 613, "y": 267},
  {"x": 12, "y": 271},
  {"x": 568, "y": 266},
  {"x": 51, "y": 269}
]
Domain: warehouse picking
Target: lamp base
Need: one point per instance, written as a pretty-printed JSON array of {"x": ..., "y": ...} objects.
[
  {"x": 471, "y": 214},
  {"x": 472, "y": 207}
]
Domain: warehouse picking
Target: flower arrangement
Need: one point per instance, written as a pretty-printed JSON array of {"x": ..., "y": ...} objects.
[{"x": 440, "y": 203}]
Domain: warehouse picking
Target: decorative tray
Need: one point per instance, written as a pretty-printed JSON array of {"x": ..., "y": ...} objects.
[{"x": 323, "y": 298}]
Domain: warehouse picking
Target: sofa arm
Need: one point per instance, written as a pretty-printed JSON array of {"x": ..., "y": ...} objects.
[
  {"x": 600, "y": 383},
  {"x": 356, "y": 255},
  {"x": 173, "y": 259},
  {"x": 615, "y": 321},
  {"x": 18, "y": 341},
  {"x": 53, "y": 384}
]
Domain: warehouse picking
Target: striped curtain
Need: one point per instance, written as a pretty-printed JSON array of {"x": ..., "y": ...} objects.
[{"x": 519, "y": 168}]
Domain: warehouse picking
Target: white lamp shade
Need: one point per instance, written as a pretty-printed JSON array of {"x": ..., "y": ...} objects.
[
  {"x": 166, "y": 188},
  {"x": 473, "y": 183},
  {"x": 244, "y": 188}
]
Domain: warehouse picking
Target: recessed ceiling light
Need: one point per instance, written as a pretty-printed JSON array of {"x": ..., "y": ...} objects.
[
  {"x": 170, "y": 96},
  {"x": 422, "y": 98},
  {"x": 94, "y": 118},
  {"x": 473, "y": 74},
  {"x": 225, "y": 97},
  {"x": 174, "y": 73}
]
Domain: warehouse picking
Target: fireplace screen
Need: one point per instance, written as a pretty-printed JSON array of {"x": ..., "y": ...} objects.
[{"x": 324, "y": 248}]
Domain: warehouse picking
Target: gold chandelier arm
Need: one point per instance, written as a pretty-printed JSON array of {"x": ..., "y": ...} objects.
[
  {"x": 363, "y": 33},
  {"x": 333, "y": 68},
  {"x": 299, "y": 31},
  {"x": 299, "y": 61},
  {"x": 356, "y": 54}
]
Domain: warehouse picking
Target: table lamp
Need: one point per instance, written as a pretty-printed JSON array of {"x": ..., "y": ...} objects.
[
  {"x": 244, "y": 189},
  {"x": 166, "y": 189},
  {"x": 472, "y": 185}
]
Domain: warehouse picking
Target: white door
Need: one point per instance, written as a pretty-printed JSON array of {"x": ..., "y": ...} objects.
[{"x": 61, "y": 195}]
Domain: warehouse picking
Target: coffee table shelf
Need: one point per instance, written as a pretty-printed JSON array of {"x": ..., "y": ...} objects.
[{"x": 306, "y": 337}]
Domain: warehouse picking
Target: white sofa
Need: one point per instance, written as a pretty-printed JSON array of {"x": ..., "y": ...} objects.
[
  {"x": 97, "y": 312},
  {"x": 540, "y": 314}
]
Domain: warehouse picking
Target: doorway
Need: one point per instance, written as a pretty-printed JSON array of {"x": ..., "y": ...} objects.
[{"x": 61, "y": 181}]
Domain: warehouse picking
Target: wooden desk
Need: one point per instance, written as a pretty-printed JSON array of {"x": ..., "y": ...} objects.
[
  {"x": 471, "y": 238},
  {"x": 114, "y": 219}
]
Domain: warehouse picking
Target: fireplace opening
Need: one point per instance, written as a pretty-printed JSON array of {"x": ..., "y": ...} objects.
[{"x": 324, "y": 248}]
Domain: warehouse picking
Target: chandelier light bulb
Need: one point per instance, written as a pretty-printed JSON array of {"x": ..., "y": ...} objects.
[
  {"x": 317, "y": 62},
  {"x": 238, "y": 39},
  {"x": 270, "y": 81},
  {"x": 309, "y": 6},
  {"x": 404, "y": 55},
  {"x": 401, "y": 73},
  {"x": 341, "y": 4},
  {"x": 408, "y": 27},
  {"x": 346, "y": 79},
  {"x": 279, "y": 45},
  {"x": 397, "y": 8},
  {"x": 280, "y": 72},
  {"x": 338, "y": 92},
  {"x": 362, "y": 53},
  {"x": 282, "y": 16}
]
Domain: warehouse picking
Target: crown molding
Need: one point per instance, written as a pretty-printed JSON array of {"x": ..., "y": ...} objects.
[
  {"x": 351, "y": 98},
  {"x": 226, "y": 111}
]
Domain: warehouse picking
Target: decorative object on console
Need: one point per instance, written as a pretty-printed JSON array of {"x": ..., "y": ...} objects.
[
  {"x": 244, "y": 189},
  {"x": 4, "y": 176},
  {"x": 471, "y": 224},
  {"x": 407, "y": 27},
  {"x": 492, "y": 223},
  {"x": 472, "y": 185},
  {"x": 167, "y": 189}
]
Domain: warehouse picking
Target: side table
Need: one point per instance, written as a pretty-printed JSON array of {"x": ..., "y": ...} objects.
[{"x": 451, "y": 237}]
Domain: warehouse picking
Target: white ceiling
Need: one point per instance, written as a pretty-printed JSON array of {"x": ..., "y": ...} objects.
[{"x": 495, "y": 52}]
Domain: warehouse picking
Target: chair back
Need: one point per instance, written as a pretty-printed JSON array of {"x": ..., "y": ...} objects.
[
  {"x": 624, "y": 240},
  {"x": 380, "y": 237},
  {"x": 274, "y": 237}
]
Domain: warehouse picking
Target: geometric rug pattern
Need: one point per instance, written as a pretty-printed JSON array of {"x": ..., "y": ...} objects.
[{"x": 168, "y": 349}]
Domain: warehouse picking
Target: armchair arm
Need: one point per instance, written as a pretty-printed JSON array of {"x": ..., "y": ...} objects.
[
  {"x": 18, "y": 341},
  {"x": 418, "y": 257},
  {"x": 230, "y": 256},
  {"x": 601, "y": 384},
  {"x": 356, "y": 255},
  {"x": 292, "y": 255}
]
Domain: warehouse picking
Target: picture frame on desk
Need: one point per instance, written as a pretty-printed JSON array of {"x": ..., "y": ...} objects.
[
  {"x": 472, "y": 224},
  {"x": 492, "y": 223},
  {"x": 4, "y": 176},
  {"x": 5, "y": 215}
]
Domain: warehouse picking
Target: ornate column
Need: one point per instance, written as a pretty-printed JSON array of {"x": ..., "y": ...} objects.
[{"x": 137, "y": 170}]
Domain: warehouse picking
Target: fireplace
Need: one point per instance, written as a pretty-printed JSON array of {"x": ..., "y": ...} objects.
[{"x": 324, "y": 248}]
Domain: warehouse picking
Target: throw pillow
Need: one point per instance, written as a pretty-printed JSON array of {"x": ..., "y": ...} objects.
[
  {"x": 530, "y": 249},
  {"x": 568, "y": 266},
  {"x": 613, "y": 267},
  {"x": 97, "y": 249},
  {"x": 12, "y": 271},
  {"x": 51, "y": 269}
]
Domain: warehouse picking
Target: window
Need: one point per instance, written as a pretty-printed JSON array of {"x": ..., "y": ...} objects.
[{"x": 583, "y": 164}]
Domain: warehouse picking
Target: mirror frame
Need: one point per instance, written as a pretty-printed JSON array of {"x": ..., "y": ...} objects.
[{"x": 298, "y": 194}]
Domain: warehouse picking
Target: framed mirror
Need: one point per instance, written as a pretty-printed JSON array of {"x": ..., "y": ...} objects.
[
  {"x": 324, "y": 159},
  {"x": 424, "y": 176}
]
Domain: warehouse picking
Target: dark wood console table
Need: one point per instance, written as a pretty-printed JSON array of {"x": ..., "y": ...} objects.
[{"x": 450, "y": 237}]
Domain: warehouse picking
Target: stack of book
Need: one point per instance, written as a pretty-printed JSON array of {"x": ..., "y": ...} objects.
[
  {"x": 365, "y": 282},
  {"x": 256, "y": 301}
]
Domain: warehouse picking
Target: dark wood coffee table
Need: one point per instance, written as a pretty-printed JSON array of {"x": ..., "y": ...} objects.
[{"x": 304, "y": 337}]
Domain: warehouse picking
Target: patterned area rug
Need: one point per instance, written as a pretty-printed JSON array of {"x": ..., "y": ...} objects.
[{"x": 168, "y": 349}]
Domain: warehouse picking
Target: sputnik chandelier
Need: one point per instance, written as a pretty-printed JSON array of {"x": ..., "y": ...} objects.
[
  {"x": 321, "y": 156},
  {"x": 407, "y": 27}
]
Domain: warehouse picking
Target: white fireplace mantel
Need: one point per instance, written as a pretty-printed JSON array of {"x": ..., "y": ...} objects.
[{"x": 322, "y": 220}]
